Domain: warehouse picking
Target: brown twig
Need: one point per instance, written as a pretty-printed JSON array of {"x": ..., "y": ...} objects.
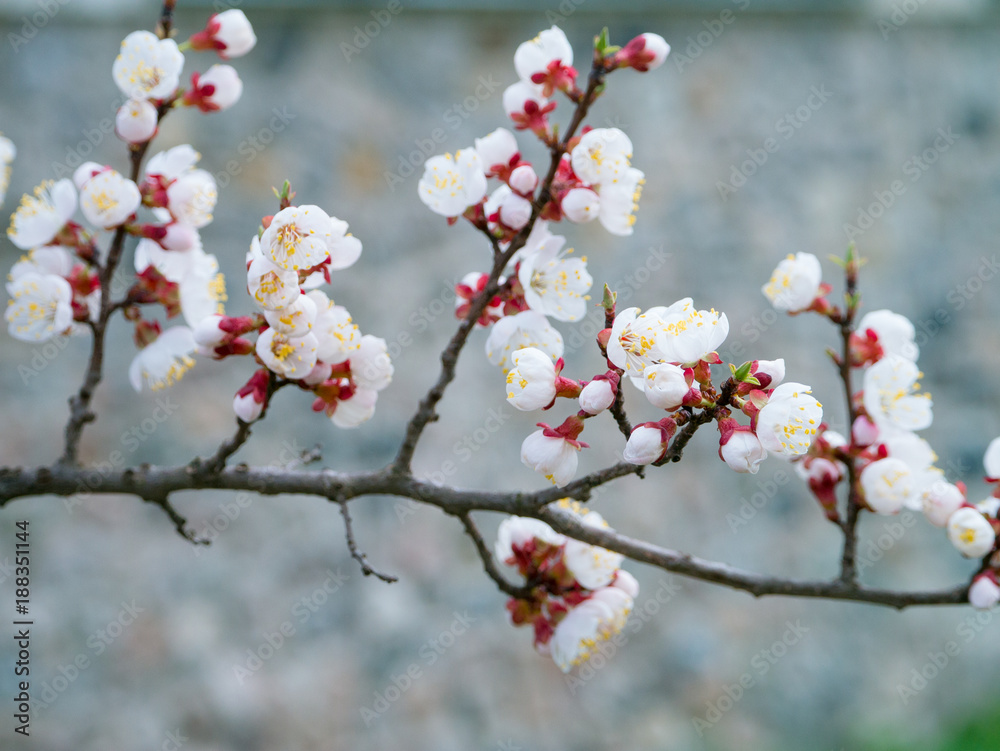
[
  {"x": 489, "y": 565},
  {"x": 356, "y": 554}
]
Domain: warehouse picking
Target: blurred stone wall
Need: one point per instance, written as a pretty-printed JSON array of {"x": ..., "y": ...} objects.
[{"x": 854, "y": 99}]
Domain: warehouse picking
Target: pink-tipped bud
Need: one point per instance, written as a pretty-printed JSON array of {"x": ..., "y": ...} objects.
[
  {"x": 136, "y": 121},
  {"x": 644, "y": 53}
]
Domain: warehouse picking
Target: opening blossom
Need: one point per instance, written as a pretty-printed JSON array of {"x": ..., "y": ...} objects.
[
  {"x": 787, "y": 424},
  {"x": 531, "y": 383},
  {"x": 40, "y": 307},
  {"x": 552, "y": 455},
  {"x": 42, "y": 215},
  {"x": 108, "y": 199},
  {"x": 554, "y": 284},
  {"x": 229, "y": 33},
  {"x": 526, "y": 329},
  {"x": 690, "y": 335},
  {"x": 450, "y": 184},
  {"x": 147, "y": 67},
  {"x": 889, "y": 397},
  {"x": 635, "y": 341},
  {"x": 888, "y": 485},
  {"x": 297, "y": 237},
  {"x": 795, "y": 283},
  {"x": 136, "y": 121},
  {"x": 971, "y": 533},
  {"x": 165, "y": 361},
  {"x": 894, "y": 333}
]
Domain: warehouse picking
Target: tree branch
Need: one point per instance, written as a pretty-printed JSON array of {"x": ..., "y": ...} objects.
[
  {"x": 489, "y": 565},
  {"x": 356, "y": 554},
  {"x": 155, "y": 484}
]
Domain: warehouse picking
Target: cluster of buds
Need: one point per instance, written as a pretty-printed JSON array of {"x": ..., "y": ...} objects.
[
  {"x": 577, "y": 596},
  {"x": 895, "y": 466},
  {"x": 57, "y": 285}
]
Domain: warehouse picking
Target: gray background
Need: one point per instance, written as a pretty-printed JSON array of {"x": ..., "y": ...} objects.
[{"x": 171, "y": 671}]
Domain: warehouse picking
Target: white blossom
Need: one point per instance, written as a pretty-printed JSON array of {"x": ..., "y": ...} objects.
[
  {"x": 940, "y": 501},
  {"x": 970, "y": 532},
  {"x": 991, "y": 459},
  {"x": 360, "y": 408},
  {"x": 620, "y": 201},
  {"x": 496, "y": 148},
  {"x": 743, "y": 452},
  {"x": 984, "y": 594},
  {"x": 227, "y": 88},
  {"x": 602, "y": 157},
  {"x": 337, "y": 335},
  {"x": 534, "y": 56},
  {"x": 518, "y": 531},
  {"x": 665, "y": 385},
  {"x": 795, "y": 283},
  {"x": 7, "y": 154},
  {"x": 581, "y": 205},
  {"x": 234, "y": 32},
  {"x": 895, "y": 333},
  {"x": 645, "y": 445},
  {"x": 888, "y": 485},
  {"x": 688, "y": 334},
  {"x": 165, "y": 361},
  {"x": 597, "y": 396},
  {"x": 371, "y": 367},
  {"x": 577, "y": 636},
  {"x": 787, "y": 424},
  {"x": 635, "y": 341},
  {"x": 555, "y": 284},
  {"x": 450, "y": 185},
  {"x": 147, "y": 67},
  {"x": 290, "y": 357},
  {"x": 42, "y": 214},
  {"x": 298, "y": 237},
  {"x": 40, "y": 306},
  {"x": 531, "y": 383},
  {"x": 592, "y": 566},
  {"x": 553, "y": 457},
  {"x": 108, "y": 199},
  {"x": 136, "y": 121},
  {"x": 295, "y": 320},
  {"x": 889, "y": 396},
  {"x": 528, "y": 328}
]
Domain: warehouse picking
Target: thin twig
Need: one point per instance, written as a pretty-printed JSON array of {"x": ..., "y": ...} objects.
[
  {"x": 489, "y": 565},
  {"x": 356, "y": 554},
  {"x": 180, "y": 523},
  {"x": 848, "y": 558}
]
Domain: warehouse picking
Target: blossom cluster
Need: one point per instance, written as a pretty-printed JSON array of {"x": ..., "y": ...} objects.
[
  {"x": 896, "y": 466},
  {"x": 578, "y": 596},
  {"x": 58, "y": 287},
  {"x": 304, "y": 337}
]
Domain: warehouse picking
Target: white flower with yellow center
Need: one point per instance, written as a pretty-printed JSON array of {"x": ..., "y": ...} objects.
[
  {"x": 531, "y": 383},
  {"x": 555, "y": 284},
  {"x": 889, "y": 485},
  {"x": 450, "y": 184},
  {"x": 295, "y": 320},
  {"x": 191, "y": 197},
  {"x": 635, "y": 341},
  {"x": 526, "y": 329},
  {"x": 50, "y": 259},
  {"x": 602, "y": 157},
  {"x": 338, "y": 337},
  {"x": 7, "y": 153},
  {"x": 889, "y": 397},
  {"x": 40, "y": 306},
  {"x": 202, "y": 289},
  {"x": 270, "y": 286},
  {"x": 42, "y": 214},
  {"x": 147, "y": 67},
  {"x": 895, "y": 333},
  {"x": 291, "y": 357},
  {"x": 577, "y": 636},
  {"x": 689, "y": 334},
  {"x": 298, "y": 237},
  {"x": 787, "y": 424},
  {"x": 795, "y": 283},
  {"x": 136, "y": 121},
  {"x": 108, "y": 199},
  {"x": 518, "y": 531},
  {"x": 165, "y": 361},
  {"x": 971, "y": 533}
]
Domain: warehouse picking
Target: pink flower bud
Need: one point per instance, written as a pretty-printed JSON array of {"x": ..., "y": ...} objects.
[
  {"x": 644, "y": 53},
  {"x": 218, "y": 88},
  {"x": 864, "y": 432},
  {"x": 523, "y": 180},
  {"x": 646, "y": 444},
  {"x": 229, "y": 33}
]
